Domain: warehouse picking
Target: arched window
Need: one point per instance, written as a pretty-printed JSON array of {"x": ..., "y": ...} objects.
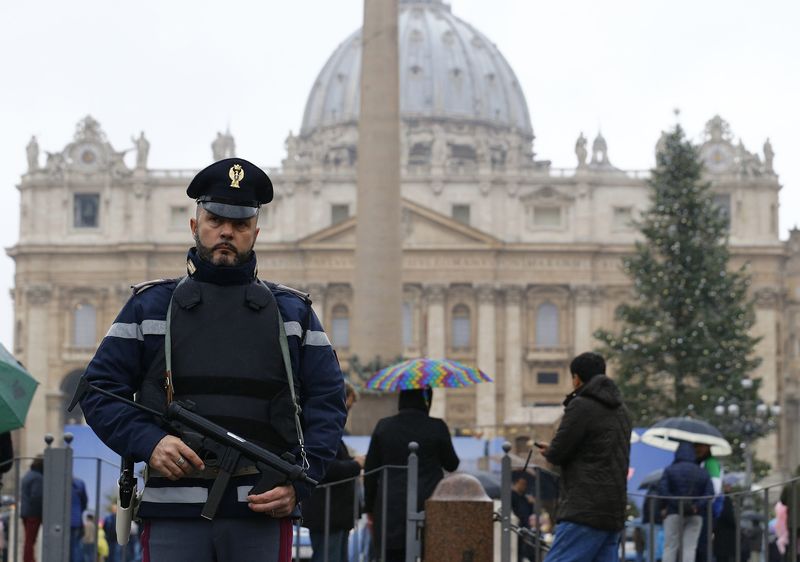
[
  {"x": 462, "y": 327},
  {"x": 547, "y": 325},
  {"x": 340, "y": 326},
  {"x": 408, "y": 324},
  {"x": 84, "y": 326}
]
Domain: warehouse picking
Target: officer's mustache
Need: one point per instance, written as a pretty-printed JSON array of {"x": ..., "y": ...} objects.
[{"x": 225, "y": 246}]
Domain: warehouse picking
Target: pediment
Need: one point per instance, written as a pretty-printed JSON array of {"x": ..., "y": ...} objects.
[
  {"x": 422, "y": 228},
  {"x": 546, "y": 194}
]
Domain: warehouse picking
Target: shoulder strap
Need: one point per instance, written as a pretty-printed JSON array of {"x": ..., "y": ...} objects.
[
  {"x": 168, "y": 346},
  {"x": 143, "y": 286},
  {"x": 287, "y": 361}
]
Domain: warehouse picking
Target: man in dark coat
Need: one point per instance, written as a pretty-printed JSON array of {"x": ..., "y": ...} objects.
[
  {"x": 522, "y": 505},
  {"x": 389, "y": 446},
  {"x": 32, "y": 494},
  {"x": 341, "y": 500},
  {"x": 725, "y": 528},
  {"x": 592, "y": 447},
  {"x": 684, "y": 478}
]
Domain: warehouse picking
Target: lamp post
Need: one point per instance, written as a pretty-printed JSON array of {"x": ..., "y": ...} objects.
[{"x": 750, "y": 418}]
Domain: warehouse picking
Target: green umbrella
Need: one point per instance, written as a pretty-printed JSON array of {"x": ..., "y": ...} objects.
[{"x": 16, "y": 391}]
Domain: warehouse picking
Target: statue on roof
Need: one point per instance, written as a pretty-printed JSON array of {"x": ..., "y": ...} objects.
[
  {"x": 142, "y": 150},
  {"x": 32, "y": 151},
  {"x": 769, "y": 155},
  {"x": 88, "y": 129},
  {"x": 580, "y": 150},
  {"x": 223, "y": 146}
]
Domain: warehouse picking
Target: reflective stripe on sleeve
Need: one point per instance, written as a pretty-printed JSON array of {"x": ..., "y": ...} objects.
[
  {"x": 137, "y": 331},
  {"x": 317, "y": 338},
  {"x": 154, "y": 327},
  {"x": 127, "y": 331},
  {"x": 293, "y": 329},
  {"x": 312, "y": 338},
  {"x": 175, "y": 495},
  {"x": 242, "y": 492}
]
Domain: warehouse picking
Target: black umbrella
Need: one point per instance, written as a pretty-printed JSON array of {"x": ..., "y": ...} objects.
[
  {"x": 669, "y": 432},
  {"x": 651, "y": 480},
  {"x": 489, "y": 480}
]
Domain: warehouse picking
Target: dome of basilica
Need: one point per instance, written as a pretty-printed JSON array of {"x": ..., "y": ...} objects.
[{"x": 448, "y": 70}]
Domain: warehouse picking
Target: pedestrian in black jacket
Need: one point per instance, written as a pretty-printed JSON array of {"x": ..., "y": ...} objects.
[
  {"x": 341, "y": 501},
  {"x": 389, "y": 446},
  {"x": 592, "y": 448},
  {"x": 684, "y": 478},
  {"x": 31, "y": 500}
]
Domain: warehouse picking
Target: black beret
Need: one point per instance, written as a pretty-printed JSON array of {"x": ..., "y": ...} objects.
[{"x": 232, "y": 188}]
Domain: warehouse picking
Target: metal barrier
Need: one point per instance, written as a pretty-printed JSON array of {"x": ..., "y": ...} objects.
[
  {"x": 752, "y": 510},
  {"x": 56, "y": 504},
  {"x": 751, "y": 513},
  {"x": 362, "y": 546}
]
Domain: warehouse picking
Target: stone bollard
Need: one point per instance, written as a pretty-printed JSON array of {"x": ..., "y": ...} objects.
[{"x": 459, "y": 524}]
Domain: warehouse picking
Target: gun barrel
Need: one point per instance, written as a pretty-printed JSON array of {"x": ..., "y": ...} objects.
[
  {"x": 125, "y": 504},
  {"x": 255, "y": 453},
  {"x": 124, "y": 517}
]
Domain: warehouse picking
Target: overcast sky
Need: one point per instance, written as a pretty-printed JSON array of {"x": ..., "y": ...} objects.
[{"x": 182, "y": 70}]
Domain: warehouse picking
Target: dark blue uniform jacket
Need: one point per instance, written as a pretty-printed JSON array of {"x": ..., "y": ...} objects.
[{"x": 136, "y": 337}]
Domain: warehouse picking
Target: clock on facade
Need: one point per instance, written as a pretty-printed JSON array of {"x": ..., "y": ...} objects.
[
  {"x": 718, "y": 157},
  {"x": 86, "y": 155}
]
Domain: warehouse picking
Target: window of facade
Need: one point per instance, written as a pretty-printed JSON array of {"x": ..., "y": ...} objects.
[
  {"x": 547, "y": 377},
  {"x": 546, "y": 216},
  {"x": 86, "y": 210},
  {"x": 339, "y": 213},
  {"x": 622, "y": 217},
  {"x": 723, "y": 202},
  {"x": 461, "y": 327},
  {"x": 408, "y": 324},
  {"x": 178, "y": 217},
  {"x": 340, "y": 326},
  {"x": 420, "y": 154},
  {"x": 460, "y": 213},
  {"x": 547, "y": 325},
  {"x": 462, "y": 154},
  {"x": 84, "y": 326}
]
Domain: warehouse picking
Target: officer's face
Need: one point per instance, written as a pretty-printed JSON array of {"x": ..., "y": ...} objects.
[{"x": 223, "y": 241}]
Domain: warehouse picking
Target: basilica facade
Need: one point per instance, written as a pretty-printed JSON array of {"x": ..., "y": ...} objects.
[{"x": 508, "y": 263}]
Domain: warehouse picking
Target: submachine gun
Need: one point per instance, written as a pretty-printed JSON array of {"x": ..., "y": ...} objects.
[{"x": 221, "y": 450}]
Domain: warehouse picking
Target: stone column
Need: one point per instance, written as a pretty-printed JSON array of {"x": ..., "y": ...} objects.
[
  {"x": 486, "y": 417},
  {"x": 37, "y": 298},
  {"x": 512, "y": 385},
  {"x": 767, "y": 302},
  {"x": 584, "y": 297},
  {"x": 434, "y": 302},
  {"x": 377, "y": 318}
]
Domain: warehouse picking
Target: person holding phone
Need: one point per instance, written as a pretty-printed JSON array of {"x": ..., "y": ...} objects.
[{"x": 592, "y": 448}]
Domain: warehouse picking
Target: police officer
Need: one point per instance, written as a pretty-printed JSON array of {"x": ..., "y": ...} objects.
[{"x": 226, "y": 333}]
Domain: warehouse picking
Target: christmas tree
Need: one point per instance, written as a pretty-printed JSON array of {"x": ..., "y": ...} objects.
[{"x": 685, "y": 340}]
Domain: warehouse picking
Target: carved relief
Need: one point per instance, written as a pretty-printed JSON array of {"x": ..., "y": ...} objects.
[
  {"x": 767, "y": 297},
  {"x": 486, "y": 293},
  {"x": 38, "y": 295},
  {"x": 434, "y": 294},
  {"x": 513, "y": 294}
]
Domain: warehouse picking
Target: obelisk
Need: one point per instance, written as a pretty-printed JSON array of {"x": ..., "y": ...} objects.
[{"x": 378, "y": 287}]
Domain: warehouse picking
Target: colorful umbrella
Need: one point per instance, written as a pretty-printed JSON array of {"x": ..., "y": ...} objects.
[
  {"x": 419, "y": 373},
  {"x": 16, "y": 392}
]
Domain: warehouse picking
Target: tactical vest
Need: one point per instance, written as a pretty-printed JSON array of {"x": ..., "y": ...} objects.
[{"x": 226, "y": 359}]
